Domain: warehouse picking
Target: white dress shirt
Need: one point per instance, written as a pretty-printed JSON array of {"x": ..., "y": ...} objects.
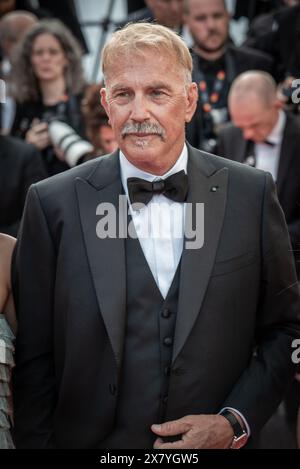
[
  {"x": 159, "y": 225},
  {"x": 267, "y": 157}
]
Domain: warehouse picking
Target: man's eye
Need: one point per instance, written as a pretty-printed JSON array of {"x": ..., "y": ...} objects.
[
  {"x": 122, "y": 94},
  {"x": 218, "y": 16},
  {"x": 157, "y": 93}
]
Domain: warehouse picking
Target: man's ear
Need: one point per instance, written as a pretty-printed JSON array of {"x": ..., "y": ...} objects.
[
  {"x": 192, "y": 99},
  {"x": 103, "y": 99}
]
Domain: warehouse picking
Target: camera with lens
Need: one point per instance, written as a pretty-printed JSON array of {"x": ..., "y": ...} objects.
[{"x": 73, "y": 147}]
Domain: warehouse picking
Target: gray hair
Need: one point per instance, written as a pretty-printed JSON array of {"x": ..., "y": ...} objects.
[{"x": 138, "y": 37}]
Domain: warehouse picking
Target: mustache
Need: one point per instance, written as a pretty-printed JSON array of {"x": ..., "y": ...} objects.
[{"x": 142, "y": 128}]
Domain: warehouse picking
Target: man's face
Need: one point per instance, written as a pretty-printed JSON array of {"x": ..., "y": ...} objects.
[
  {"x": 254, "y": 119},
  {"x": 148, "y": 104},
  {"x": 107, "y": 139},
  {"x": 208, "y": 22},
  {"x": 167, "y": 12}
]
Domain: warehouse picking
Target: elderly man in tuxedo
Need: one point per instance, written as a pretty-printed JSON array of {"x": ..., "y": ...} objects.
[{"x": 152, "y": 339}]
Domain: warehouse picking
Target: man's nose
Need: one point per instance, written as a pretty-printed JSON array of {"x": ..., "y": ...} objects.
[
  {"x": 175, "y": 7},
  {"x": 139, "y": 109},
  {"x": 210, "y": 24}
]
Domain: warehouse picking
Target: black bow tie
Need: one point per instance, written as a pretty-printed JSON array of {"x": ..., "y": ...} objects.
[{"x": 174, "y": 187}]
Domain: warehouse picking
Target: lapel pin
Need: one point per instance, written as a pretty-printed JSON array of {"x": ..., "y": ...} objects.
[{"x": 214, "y": 188}]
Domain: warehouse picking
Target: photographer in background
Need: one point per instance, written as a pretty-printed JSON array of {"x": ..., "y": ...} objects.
[{"x": 48, "y": 80}]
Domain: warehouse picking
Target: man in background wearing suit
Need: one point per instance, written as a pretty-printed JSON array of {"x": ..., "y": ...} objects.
[
  {"x": 264, "y": 136},
  {"x": 133, "y": 341},
  {"x": 165, "y": 12},
  {"x": 20, "y": 166},
  {"x": 216, "y": 63},
  {"x": 278, "y": 35}
]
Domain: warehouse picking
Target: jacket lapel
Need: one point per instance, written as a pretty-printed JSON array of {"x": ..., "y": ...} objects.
[
  {"x": 106, "y": 256},
  {"x": 207, "y": 186}
]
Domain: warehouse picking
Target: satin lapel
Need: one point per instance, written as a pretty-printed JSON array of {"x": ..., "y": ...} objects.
[
  {"x": 207, "y": 186},
  {"x": 106, "y": 256}
]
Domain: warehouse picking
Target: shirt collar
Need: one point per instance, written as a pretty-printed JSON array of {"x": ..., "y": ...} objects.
[
  {"x": 128, "y": 170},
  {"x": 276, "y": 134}
]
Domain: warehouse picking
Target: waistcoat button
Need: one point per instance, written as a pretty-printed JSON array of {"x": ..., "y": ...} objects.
[{"x": 168, "y": 341}]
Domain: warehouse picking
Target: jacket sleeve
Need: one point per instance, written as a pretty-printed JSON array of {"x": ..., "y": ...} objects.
[
  {"x": 33, "y": 275},
  {"x": 263, "y": 384}
]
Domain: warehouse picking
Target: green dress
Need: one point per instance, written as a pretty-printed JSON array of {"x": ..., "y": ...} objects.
[{"x": 6, "y": 364}]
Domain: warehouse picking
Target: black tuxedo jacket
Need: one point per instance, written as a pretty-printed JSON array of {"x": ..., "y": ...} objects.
[
  {"x": 232, "y": 145},
  {"x": 20, "y": 166},
  {"x": 237, "y": 60},
  {"x": 238, "y": 307}
]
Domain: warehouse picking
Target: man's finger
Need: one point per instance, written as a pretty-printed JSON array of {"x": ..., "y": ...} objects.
[
  {"x": 158, "y": 442},
  {"x": 175, "y": 427}
]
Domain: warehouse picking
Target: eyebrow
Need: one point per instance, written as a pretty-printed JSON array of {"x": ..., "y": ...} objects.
[
  {"x": 155, "y": 85},
  {"x": 160, "y": 84},
  {"x": 118, "y": 88}
]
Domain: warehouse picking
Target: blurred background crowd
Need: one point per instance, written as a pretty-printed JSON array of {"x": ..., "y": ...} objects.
[{"x": 246, "y": 57}]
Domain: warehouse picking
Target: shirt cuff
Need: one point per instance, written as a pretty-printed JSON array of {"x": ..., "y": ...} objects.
[{"x": 242, "y": 417}]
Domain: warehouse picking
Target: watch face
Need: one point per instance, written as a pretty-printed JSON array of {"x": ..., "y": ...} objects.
[{"x": 239, "y": 442}]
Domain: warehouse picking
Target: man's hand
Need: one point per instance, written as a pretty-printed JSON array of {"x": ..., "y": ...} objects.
[{"x": 195, "y": 432}]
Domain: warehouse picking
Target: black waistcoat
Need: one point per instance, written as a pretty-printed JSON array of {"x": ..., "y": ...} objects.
[{"x": 149, "y": 334}]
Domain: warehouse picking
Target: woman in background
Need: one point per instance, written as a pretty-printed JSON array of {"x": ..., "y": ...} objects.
[
  {"x": 48, "y": 83},
  {"x": 8, "y": 327}
]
